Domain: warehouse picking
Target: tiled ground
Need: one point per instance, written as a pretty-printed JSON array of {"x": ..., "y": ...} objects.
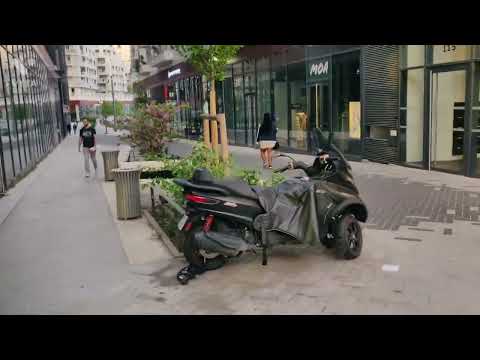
[{"x": 420, "y": 256}]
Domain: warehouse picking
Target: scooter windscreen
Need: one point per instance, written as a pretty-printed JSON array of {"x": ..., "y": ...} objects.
[{"x": 321, "y": 143}]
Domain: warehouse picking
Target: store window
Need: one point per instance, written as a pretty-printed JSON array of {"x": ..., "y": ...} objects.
[
  {"x": 476, "y": 119},
  {"x": 264, "y": 100},
  {"x": 412, "y": 55},
  {"x": 240, "y": 129},
  {"x": 298, "y": 105},
  {"x": 228, "y": 104},
  {"x": 280, "y": 96},
  {"x": 7, "y": 133},
  {"x": 412, "y": 117},
  {"x": 451, "y": 53},
  {"x": 346, "y": 122},
  {"x": 251, "y": 122}
]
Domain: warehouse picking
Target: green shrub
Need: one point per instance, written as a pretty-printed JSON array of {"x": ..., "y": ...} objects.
[{"x": 203, "y": 157}]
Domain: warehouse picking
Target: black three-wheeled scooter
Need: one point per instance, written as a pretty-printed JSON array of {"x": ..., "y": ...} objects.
[{"x": 225, "y": 218}]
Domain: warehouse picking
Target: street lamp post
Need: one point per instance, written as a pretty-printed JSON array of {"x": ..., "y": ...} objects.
[{"x": 113, "y": 103}]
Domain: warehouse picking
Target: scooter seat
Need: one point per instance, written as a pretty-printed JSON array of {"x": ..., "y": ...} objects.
[{"x": 233, "y": 186}]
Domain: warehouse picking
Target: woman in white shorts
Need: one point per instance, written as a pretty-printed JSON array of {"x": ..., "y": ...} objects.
[{"x": 267, "y": 138}]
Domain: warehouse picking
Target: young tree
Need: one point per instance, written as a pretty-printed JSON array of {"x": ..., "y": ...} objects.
[
  {"x": 107, "y": 110},
  {"x": 210, "y": 61}
]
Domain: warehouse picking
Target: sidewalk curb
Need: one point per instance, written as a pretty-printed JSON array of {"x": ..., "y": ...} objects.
[{"x": 161, "y": 234}]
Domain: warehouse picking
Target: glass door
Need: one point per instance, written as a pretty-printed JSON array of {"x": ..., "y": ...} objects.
[
  {"x": 447, "y": 121},
  {"x": 319, "y": 109},
  {"x": 251, "y": 121}
]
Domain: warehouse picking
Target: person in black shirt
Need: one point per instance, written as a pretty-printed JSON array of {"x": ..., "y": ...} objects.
[{"x": 87, "y": 139}]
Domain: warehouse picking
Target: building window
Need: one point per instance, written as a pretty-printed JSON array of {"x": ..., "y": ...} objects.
[
  {"x": 240, "y": 131},
  {"x": 280, "y": 97},
  {"x": 298, "y": 105},
  {"x": 263, "y": 88},
  {"x": 412, "y": 55},
  {"x": 346, "y": 119}
]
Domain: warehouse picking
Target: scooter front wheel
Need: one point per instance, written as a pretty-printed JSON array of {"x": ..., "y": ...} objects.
[{"x": 349, "y": 240}]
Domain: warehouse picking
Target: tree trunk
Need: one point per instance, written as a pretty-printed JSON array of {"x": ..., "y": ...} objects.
[
  {"x": 213, "y": 112},
  {"x": 206, "y": 132}
]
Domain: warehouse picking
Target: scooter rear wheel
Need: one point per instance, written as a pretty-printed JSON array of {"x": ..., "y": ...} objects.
[{"x": 193, "y": 254}]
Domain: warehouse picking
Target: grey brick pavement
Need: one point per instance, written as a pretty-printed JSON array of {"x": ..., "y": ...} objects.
[{"x": 394, "y": 195}]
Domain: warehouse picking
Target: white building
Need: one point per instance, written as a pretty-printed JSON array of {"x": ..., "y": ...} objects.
[
  {"x": 82, "y": 72},
  {"x": 112, "y": 75},
  {"x": 95, "y": 73}
]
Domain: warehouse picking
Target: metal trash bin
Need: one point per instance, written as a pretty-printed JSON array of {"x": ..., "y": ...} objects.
[
  {"x": 127, "y": 184},
  {"x": 110, "y": 162}
]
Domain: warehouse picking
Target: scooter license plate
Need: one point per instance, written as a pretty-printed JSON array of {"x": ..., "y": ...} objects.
[{"x": 181, "y": 223}]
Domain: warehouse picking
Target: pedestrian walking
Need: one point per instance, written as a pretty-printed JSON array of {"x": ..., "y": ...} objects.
[
  {"x": 75, "y": 128},
  {"x": 69, "y": 129},
  {"x": 267, "y": 138},
  {"x": 87, "y": 140}
]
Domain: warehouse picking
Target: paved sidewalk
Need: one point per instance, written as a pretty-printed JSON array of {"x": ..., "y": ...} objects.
[
  {"x": 61, "y": 252},
  {"x": 59, "y": 247}
]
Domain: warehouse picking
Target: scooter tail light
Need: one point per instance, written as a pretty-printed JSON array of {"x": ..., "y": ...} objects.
[{"x": 199, "y": 199}]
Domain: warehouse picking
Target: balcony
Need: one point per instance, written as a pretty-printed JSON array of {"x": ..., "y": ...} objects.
[{"x": 165, "y": 58}]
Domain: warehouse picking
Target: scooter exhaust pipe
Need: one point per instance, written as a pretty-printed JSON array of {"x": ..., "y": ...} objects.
[{"x": 224, "y": 244}]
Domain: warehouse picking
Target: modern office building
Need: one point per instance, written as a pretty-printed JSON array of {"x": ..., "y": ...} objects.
[
  {"x": 415, "y": 105},
  {"x": 33, "y": 107}
]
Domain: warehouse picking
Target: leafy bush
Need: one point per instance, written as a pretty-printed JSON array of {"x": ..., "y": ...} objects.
[
  {"x": 203, "y": 157},
  {"x": 149, "y": 127},
  {"x": 253, "y": 178}
]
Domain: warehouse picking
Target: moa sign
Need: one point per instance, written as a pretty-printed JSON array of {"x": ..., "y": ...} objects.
[{"x": 318, "y": 70}]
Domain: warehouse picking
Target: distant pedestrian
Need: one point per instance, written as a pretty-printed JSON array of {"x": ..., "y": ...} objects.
[
  {"x": 87, "y": 139},
  {"x": 267, "y": 138},
  {"x": 75, "y": 128},
  {"x": 69, "y": 129}
]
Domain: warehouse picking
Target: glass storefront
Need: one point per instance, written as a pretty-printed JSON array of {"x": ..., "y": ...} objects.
[
  {"x": 239, "y": 101},
  {"x": 346, "y": 111},
  {"x": 264, "y": 94},
  {"x": 411, "y": 117},
  {"x": 300, "y": 101},
  {"x": 476, "y": 120},
  {"x": 439, "y": 116},
  {"x": 229, "y": 105},
  {"x": 188, "y": 93},
  {"x": 298, "y": 105},
  {"x": 280, "y": 97},
  {"x": 29, "y": 111}
]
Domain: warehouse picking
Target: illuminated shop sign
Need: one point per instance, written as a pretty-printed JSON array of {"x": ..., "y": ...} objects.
[
  {"x": 318, "y": 70},
  {"x": 173, "y": 73}
]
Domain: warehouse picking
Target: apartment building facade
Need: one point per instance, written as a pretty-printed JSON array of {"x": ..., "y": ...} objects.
[{"x": 96, "y": 73}]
